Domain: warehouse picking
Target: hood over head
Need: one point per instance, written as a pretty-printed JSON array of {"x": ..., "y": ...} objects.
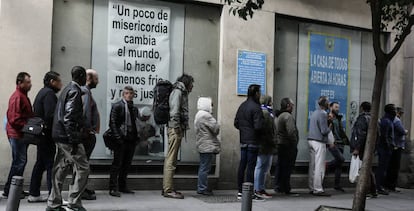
[{"x": 204, "y": 104}]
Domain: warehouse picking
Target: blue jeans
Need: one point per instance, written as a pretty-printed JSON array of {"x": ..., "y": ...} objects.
[
  {"x": 263, "y": 164},
  {"x": 248, "y": 158},
  {"x": 203, "y": 170},
  {"x": 19, "y": 160}
]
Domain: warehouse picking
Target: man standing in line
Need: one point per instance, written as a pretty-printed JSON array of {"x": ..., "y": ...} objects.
[
  {"x": 123, "y": 125},
  {"x": 359, "y": 139},
  {"x": 44, "y": 107},
  {"x": 67, "y": 132},
  {"x": 397, "y": 147},
  {"x": 287, "y": 136},
  {"x": 385, "y": 146},
  {"x": 91, "y": 117},
  {"x": 177, "y": 126},
  {"x": 249, "y": 121},
  {"x": 18, "y": 112},
  {"x": 337, "y": 151},
  {"x": 317, "y": 140}
]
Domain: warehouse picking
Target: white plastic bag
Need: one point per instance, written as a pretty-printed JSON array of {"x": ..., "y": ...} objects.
[
  {"x": 331, "y": 138},
  {"x": 354, "y": 168}
]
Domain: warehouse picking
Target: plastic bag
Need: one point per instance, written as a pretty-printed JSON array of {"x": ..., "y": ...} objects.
[
  {"x": 331, "y": 138},
  {"x": 354, "y": 168}
]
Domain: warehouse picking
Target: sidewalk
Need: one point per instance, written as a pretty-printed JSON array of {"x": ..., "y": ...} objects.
[{"x": 226, "y": 201}]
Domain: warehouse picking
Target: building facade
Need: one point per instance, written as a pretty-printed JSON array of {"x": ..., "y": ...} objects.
[{"x": 300, "y": 48}]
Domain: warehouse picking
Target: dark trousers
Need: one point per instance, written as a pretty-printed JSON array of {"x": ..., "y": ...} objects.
[
  {"x": 19, "y": 160},
  {"x": 337, "y": 152},
  {"x": 44, "y": 162},
  {"x": 286, "y": 160},
  {"x": 384, "y": 156},
  {"x": 248, "y": 158},
  {"x": 276, "y": 172},
  {"x": 89, "y": 144},
  {"x": 393, "y": 169},
  {"x": 120, "y": 165}
]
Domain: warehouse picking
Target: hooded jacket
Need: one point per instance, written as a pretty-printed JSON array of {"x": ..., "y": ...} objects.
[
  {"x": 178, "y": 102},
  {"x": 206, "y": 128},
  {"x": 18, "y": 112}
]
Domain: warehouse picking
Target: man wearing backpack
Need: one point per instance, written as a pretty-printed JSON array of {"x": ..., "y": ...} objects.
[
  {"x": 359, "y": 138},
  {"x": 18, "y": 112},
  {"x": 177, "y": 125},
  {"x": 44, "y": 107}
]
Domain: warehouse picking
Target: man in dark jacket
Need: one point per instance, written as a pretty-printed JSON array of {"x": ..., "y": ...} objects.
[
  {"x": 18, "y": 112},
  {"x": 397, "y": 147},
  {"x": 287, "y": 136},
  {"x": 385, "y": 146},
  {"x": 177, "y": 126},
  {"x": 91, "y": 117},
  {"x": 70, "y": 155},
  {"x": 123, "y": 126},
  {"x": 44, "y": 107},
  {"x": 249, "y": 121},
  {"x": 359, "y": 139},
  {"x": 337, "y": 151}
]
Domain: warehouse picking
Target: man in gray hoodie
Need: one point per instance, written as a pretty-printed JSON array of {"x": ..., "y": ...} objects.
[{"x": 317, "y": 140}]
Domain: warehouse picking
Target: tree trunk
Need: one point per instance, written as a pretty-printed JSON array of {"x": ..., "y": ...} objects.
[{"x": 365, "y": 172}]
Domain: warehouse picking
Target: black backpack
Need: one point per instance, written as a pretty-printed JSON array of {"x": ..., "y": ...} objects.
[
  {"x": 33, "y": 130},
  {"x": 161, "y": 107}
]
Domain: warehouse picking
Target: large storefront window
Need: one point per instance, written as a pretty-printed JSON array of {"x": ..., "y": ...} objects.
[{"x": 325, "y": 61}]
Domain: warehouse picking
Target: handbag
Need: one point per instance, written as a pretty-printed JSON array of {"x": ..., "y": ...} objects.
[
  {"x": 354, "y": 168},
  {"x": 109, "y": 140},
  {"x": 33, "y": 130}
]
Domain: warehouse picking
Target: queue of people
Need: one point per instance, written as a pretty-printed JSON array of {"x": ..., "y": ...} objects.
[{"x": 71, "y": 122}]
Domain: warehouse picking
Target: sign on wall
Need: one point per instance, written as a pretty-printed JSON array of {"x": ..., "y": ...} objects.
[
  {"x": 251, "y": 69},
  {"x": 138, "y": 49},
  {"x": 328, "y": 71}
]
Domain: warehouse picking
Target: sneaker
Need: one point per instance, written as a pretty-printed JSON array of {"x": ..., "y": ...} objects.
[
  {"x": 340, "y": 189},
  {"x": 258, "y": 199},
  {"x": 263, "y": 194},
  {"x": 382, "y": 192},
  {"x": 239, "y": 196},
  {"x": 88, "y": 196},
  {"x": 205, "y": 193},
  {"x": 36, "y": 199},
  {"x": 174, "y": 195},
  {"x": 55, "y": 209},
  {"x": 64, "y": 202},
  {"x": 321, "y": 194},
  {"x": 115, "y": 193}
]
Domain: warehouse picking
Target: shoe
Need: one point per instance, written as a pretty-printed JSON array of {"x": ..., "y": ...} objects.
[
  {"x": 25, "y": 193},
  {"x": 6, "y": 195},
  {"x": 393, "y": 190},
  {"x": 55, "y": 209},
  {"x": 77, "y": 208},
  {"x": 239, "y": 196},
  {"x": 36, "y": 199},
  {"x": 126, "y": 191},
  {"x": 340, "y": 189},
  {"x": 382, "y": 192},
  {"x": 292, "y": 194},
  {"x": 258, "y": 199},
  {"x": 205, "y": 193},
  {"x": 89, "y": 191},
  {"x": 174, "y": 195},
  {"x": 88, "y": 196},
  {"x": 321, "y": 194},
  {"x": 263, "y": 194},
  {"x": 115, "y": 193},
  {"x": 372, "y": 195}
]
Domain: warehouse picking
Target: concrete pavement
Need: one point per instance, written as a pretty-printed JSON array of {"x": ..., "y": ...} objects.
[{"x": 226, "y": 200}]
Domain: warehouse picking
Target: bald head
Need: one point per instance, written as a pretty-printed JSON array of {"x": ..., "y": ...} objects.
[{"x": 92, "y": 78}]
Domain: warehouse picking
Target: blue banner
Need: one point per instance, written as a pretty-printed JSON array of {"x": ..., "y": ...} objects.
[
  {"x": 328, "y": 71},
  {"x": 251, "y": 69}
]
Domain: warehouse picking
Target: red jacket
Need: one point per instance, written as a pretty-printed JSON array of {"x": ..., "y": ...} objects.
[{"x": 20, "y": 109}]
